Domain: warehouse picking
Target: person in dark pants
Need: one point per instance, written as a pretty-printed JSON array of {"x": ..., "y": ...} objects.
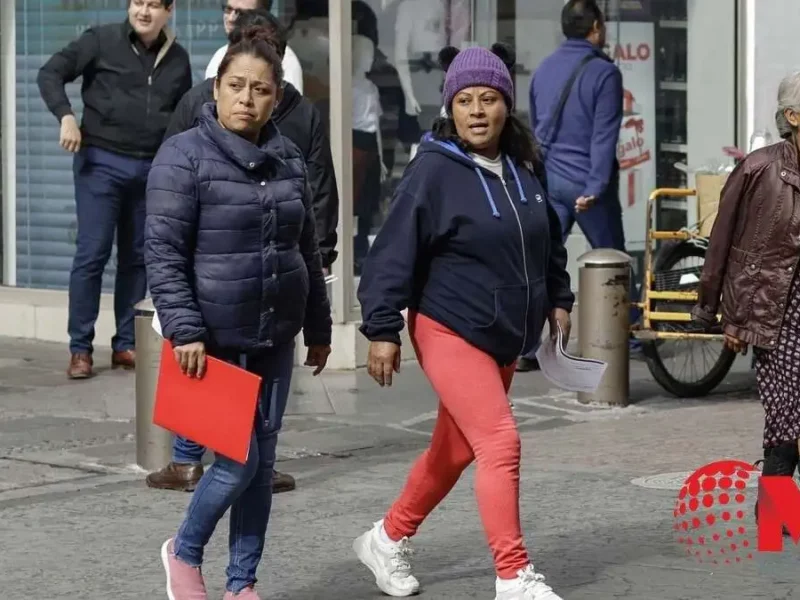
[
  {"x": 579, "y": 138},
  {"x": 298, "y": 120},
  {"x": 235, "y": 272},
  {"x": 134, "y": 73}
]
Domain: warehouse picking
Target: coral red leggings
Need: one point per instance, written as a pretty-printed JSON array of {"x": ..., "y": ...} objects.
[{"x": 474, "y": 423}]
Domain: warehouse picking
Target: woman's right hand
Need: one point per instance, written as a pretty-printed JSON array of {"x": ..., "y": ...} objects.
[
  {"x": 191, "y": 358},
  {"x": 383, "y": 358},
  {"x": 735, "y": 344}
]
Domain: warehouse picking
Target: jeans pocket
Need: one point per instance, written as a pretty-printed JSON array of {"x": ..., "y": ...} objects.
[{"x": 275, "y": 368}]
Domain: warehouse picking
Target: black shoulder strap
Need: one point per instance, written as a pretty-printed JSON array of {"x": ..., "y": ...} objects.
[{"x": 562, "y": 101}]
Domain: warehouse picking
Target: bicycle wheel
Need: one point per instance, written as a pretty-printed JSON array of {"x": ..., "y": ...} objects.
[{"x": 685, "y": 368}]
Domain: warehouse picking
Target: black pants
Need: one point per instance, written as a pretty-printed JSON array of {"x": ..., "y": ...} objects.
[{"x": 366, "y": 189}]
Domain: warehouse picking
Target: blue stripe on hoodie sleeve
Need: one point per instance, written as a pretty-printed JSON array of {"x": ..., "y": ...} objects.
[{"x": 387, "y": 279}]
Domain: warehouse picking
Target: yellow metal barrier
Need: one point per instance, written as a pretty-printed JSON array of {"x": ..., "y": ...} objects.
[{"x": 649, "y": 316}]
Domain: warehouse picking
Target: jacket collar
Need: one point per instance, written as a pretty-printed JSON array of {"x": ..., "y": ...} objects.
[
  {"x": 789, "y": 166},
  {"x": 584, "y": 47},
  {"x": 249, "y": 156},
  {"x": 166, "y": 38},
  {"x": 291, "y": 98}
]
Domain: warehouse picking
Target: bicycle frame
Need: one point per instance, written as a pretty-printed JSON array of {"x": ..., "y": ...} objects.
[{"x": 649, "y": 316}]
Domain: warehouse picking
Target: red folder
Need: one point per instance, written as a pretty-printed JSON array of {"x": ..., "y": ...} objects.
[{"x": 216, "y": 411}]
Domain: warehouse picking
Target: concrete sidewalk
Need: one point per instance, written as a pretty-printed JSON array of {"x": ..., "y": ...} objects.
[{"x": 598, "y": 489}]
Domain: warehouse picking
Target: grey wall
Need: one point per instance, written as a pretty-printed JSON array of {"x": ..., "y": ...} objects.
[
  {"x": 776, "y": 25},
  {"x": 711, "y": 96}
]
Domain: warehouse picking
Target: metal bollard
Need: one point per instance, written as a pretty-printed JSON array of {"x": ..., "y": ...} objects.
[
  {"x": 153, "y": 444},
  {"x": 604, "y": 280}
]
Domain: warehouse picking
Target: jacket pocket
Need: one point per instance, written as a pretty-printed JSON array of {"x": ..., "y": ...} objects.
[
  {"x": 294, "y": 291},
  {"x": 510, "y": 306},
  {"x": 740, "y": 284},
  {"x": 519, "y": 314}
]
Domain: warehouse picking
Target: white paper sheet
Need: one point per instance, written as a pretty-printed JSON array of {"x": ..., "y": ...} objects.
[
  {"x": 157, "y": 324},
  {"x": 569, "y": 372}
]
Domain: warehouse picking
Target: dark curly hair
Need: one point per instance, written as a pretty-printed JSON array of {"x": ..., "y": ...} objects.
[
  {"x": 259, "y": 18},
  {"x": 516, "y": 139},
  {"x": 255, "y": 41}
]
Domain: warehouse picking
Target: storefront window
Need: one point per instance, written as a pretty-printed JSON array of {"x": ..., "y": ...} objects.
[
  {"x": 397, "y": 82},
  {"x": 397, "y": 87},
  {"x": 401, "y": 39},
  {"x": 671, "y": 28},
  {"x": 2, "y": 243},
  {"x": 45, "y": 209}
]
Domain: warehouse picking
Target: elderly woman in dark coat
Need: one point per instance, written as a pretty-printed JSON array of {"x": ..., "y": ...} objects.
[
  {"x": 235, "y": 272},
  {"x": 750, "y": 274}
]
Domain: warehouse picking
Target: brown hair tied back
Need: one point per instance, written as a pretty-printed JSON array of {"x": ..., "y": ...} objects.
[{"x": 254, "y": 41}]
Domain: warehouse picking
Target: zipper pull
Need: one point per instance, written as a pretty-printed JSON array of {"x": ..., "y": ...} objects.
[{"x": 149, "y": 80}]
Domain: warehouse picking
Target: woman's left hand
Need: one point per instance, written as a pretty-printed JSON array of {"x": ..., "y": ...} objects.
[
  {"x": 317, "y": 357},
  {"x": 560, "y": 318}
]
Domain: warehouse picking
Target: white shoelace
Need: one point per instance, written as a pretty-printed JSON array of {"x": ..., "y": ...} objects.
[
  {"x": 533, "y": 581},
  {"x": 401, "y": 559}
]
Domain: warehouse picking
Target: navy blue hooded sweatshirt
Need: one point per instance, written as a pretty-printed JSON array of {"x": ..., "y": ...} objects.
[{"x": 479, "y": 254}]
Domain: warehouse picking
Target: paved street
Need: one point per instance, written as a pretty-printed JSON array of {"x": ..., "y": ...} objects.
[{"x": 77, "y": 522}]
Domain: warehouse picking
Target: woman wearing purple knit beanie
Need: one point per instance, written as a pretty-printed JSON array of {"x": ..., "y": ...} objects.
[{"x": 473, "y": 250}]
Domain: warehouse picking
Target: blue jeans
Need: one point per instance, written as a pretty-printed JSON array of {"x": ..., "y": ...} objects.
[
  {"x": 245, "y": 489},
  {"x": 186, "y": 451},
  {"x": 109, "y": 200},
  {"x": 602, "y": 224}
]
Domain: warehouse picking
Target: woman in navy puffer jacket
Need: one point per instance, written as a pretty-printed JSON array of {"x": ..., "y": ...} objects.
[{"x": 234, "y": 270}]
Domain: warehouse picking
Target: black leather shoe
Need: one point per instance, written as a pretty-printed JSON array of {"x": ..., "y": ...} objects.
[{"x": 281, "y": 482}]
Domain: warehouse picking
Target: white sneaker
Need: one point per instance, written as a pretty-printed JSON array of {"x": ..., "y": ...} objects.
[
  {"x": 389, "y": 562},
  {"x": 529, "y": 585}
]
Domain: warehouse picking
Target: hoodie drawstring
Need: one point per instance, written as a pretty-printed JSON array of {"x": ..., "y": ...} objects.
[
  {"x": 495, "y": 212},
  {"x": 511, "y": 166}
]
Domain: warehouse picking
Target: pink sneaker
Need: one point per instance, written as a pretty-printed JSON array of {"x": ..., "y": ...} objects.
[
  {"x": 247, "y": 593},
  {"x": 183, "y": 581}
]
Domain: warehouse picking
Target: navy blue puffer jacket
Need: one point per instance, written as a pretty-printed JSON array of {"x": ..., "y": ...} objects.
[{"x": 231, "y": 253}]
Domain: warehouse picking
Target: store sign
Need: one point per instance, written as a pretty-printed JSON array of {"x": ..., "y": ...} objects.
[{"x": 630, "y": 45}]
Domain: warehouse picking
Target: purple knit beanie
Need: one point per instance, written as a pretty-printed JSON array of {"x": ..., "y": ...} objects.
[{"x": 477, "y": 67}]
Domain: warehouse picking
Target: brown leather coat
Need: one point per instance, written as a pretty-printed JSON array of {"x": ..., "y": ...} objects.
[{"x": 754, "y": 247}]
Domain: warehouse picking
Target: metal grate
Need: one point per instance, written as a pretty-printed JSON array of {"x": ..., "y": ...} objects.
[{"x": 678, "y": 280}]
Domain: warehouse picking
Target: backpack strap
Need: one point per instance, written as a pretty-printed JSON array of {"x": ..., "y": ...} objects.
[{"x": 555, "y": 119}]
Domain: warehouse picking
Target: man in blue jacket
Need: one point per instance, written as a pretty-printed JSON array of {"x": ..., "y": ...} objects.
[{"x": 579, "y": 135}]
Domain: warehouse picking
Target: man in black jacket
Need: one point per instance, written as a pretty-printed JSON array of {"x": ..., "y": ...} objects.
[
  {"x": 134, "y": 74},
  {"x": 299, "y": 121}
]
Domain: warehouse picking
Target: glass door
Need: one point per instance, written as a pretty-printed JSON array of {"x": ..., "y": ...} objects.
[{"x": 671, "y": 39}]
